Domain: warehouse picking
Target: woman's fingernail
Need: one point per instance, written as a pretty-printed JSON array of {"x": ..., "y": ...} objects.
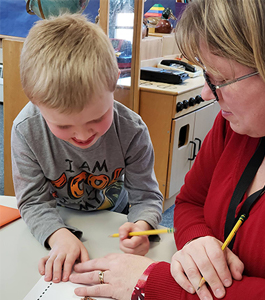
[
  {"x": 227, "y": 282},
  {"x": 219, "y": 293}
]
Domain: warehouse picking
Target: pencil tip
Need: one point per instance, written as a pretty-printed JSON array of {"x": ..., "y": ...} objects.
[{"x": 198, "y": 288}]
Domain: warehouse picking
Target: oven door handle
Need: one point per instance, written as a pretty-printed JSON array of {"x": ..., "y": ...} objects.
[
  {"x": 200, "y": 143},
  {"x": 194, "y": 151}
]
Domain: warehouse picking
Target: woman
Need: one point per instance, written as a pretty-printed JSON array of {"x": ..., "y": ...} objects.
[{"x": 227, "y": 39}]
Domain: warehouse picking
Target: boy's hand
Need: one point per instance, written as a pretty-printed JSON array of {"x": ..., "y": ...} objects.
[
  {"x": 134, "y": 244},
  {"x": 66, "y": 248}
]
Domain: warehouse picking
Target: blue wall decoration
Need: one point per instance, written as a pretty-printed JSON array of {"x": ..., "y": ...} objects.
[{"x": 15, "y": 21}]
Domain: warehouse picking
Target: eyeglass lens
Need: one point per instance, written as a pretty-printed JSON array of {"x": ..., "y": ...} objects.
[{"x": 211, "y": 86}]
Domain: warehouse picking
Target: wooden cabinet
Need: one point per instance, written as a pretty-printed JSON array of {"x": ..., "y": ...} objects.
[{"x": 14, "y": 100}]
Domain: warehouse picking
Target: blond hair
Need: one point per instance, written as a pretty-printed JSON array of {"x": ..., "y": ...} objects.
[
  {"x": 65, "y": 61},
  {"x": 234, "y": 29}
]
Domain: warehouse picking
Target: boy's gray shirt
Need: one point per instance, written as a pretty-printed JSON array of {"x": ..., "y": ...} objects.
[{"x": 48, "y": 171}]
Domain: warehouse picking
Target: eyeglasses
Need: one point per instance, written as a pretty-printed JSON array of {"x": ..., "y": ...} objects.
[{"x": 214, "y": 87}]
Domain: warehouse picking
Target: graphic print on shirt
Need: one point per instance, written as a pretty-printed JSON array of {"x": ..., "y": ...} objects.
[{"x": 90, "y": 189}]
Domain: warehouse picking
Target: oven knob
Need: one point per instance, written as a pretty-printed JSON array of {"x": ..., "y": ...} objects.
[
  {"x": 198, "y": 99},
  {"x": 179, "y": 106},
  {"x": 192, "y": 101},
  {"x": 185, "y": 103}
]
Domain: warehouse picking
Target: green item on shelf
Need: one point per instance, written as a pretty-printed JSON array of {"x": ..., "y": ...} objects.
[{"x": 47, "y": 8}]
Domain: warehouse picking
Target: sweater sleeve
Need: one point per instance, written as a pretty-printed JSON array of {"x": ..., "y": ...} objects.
[
  {"x": 36, "y": 204},
  {"x": 161, "y": 285},
  {"x": 189, "y": 206},
  {"x": 144, "y": 196}
]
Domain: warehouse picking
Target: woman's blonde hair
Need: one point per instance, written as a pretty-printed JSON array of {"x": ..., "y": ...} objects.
[
  {"x": 234, "y": 29},
  {"x": 65, "y": 61}
]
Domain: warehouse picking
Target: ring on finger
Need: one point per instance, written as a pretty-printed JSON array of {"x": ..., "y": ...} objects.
[{"x": 101, "y": 277}]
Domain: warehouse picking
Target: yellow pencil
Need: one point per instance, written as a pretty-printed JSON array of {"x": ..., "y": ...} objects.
[
  {"x": 147, "y": 232},
  {"x": 227, "y": 241}
]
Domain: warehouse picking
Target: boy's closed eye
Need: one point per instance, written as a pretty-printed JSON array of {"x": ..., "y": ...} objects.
[
  {"x": 98, "y": 120},
  {"x": 64, "y": 126},
  {"x": 93, "y": 121}
]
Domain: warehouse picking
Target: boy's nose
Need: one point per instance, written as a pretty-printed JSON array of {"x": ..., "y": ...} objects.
[{"x": 83, "y": 134}]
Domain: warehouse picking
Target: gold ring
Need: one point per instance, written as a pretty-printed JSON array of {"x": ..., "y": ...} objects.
[{"x": 101, "y": 277}]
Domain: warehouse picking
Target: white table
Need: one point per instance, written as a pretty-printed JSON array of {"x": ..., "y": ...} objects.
[{"x": 20, "y": 251}]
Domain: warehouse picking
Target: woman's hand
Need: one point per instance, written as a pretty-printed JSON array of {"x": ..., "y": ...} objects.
[
  {"x": 66, "y": 249},
  {"x": 134, "y": 244},
  {"x": 121, "y": 273},
  {"x": 204, "y": 257}
]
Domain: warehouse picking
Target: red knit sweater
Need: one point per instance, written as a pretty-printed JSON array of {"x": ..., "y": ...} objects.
[{"x": 201, "y": 209}]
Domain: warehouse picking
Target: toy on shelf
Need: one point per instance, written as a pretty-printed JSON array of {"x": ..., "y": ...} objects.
[
  {"x": 153, "y": 16},
  {"x": 145, "y": 28},
  {"x": 164, "y": 25},
  {"x": 155, "y": 11},
  {"x": 179, "y": 64}
]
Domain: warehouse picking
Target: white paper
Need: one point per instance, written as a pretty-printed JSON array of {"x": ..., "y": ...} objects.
[{"x": 44, "y": 290}]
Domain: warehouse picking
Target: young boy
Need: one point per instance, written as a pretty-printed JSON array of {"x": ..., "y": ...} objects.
[{"x": 73, "y": 145}]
